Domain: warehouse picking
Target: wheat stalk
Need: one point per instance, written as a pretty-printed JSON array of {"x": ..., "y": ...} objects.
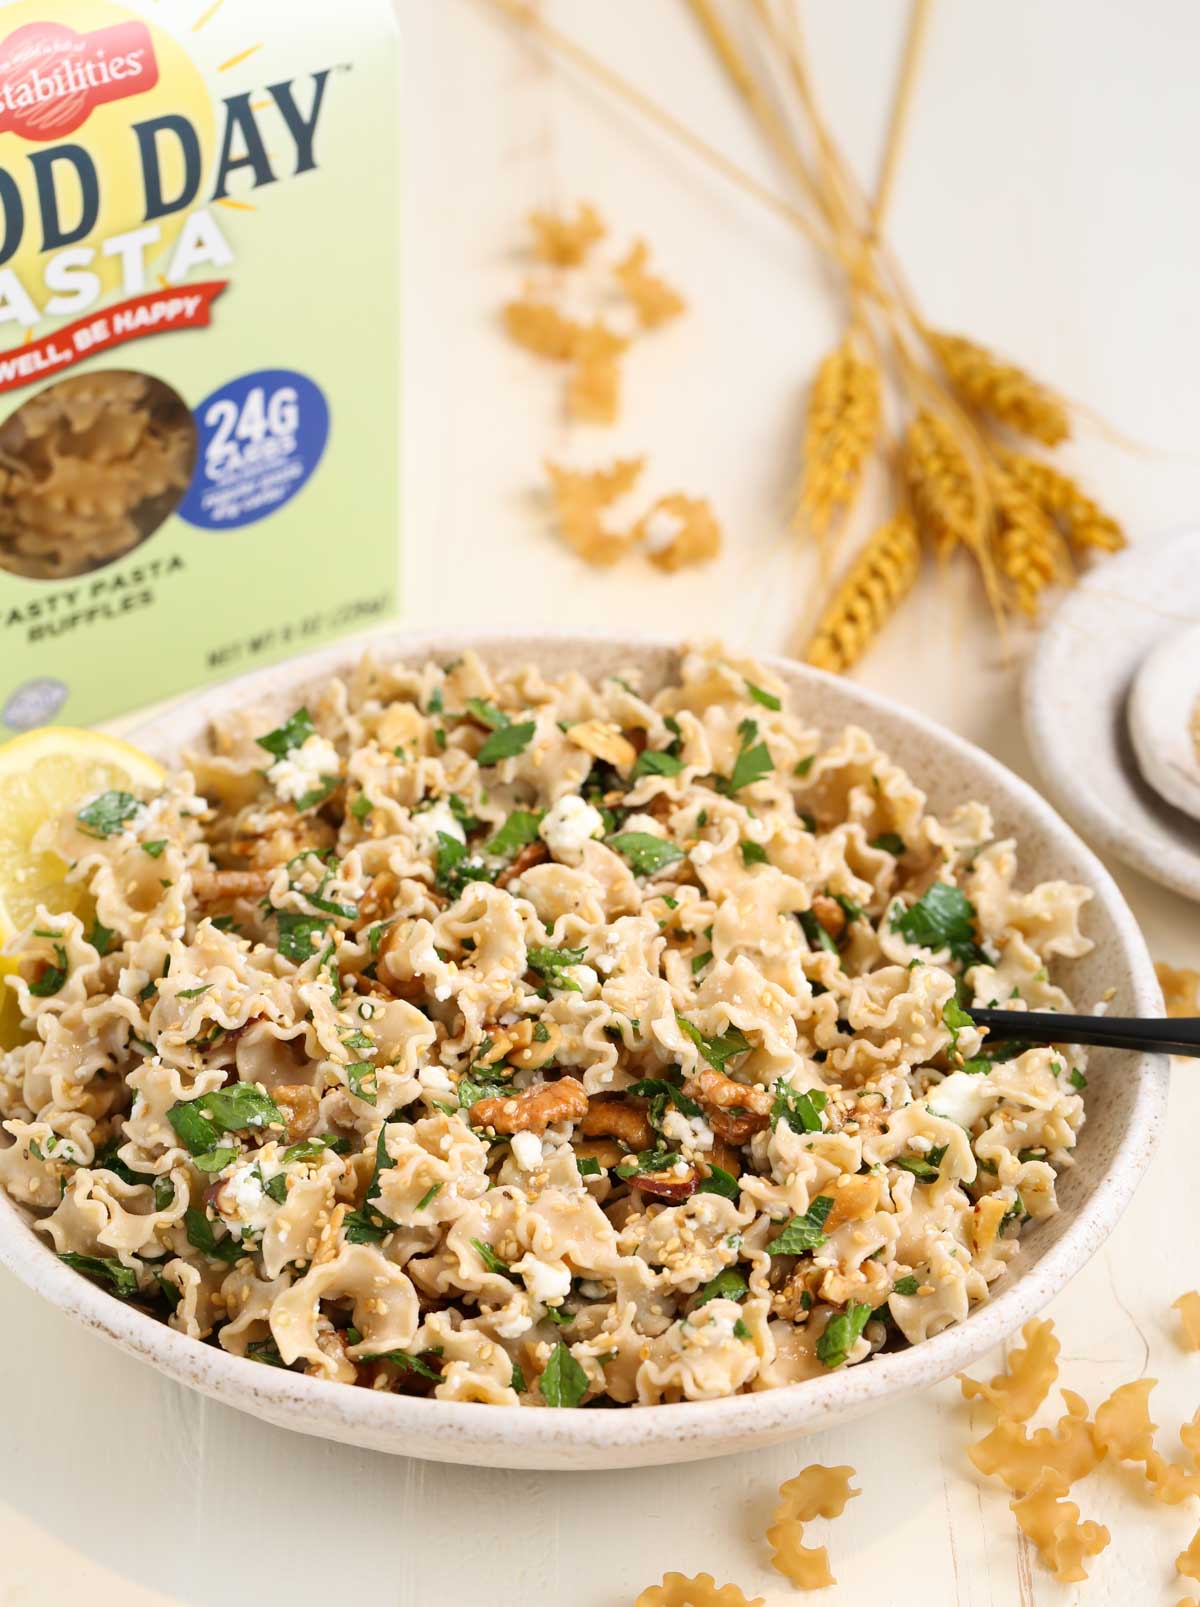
[
  {"x": 841, "y": 428},
  {"x": 1030, "y": 552},
  {"x": 877, "y": 583},
  {"x": 1084, "y": 523},
  {"x": 1001, "y": 390},
  {"x": 945, "y": 493}
]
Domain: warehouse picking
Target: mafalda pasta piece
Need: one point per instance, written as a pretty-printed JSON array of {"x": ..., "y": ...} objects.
[
  {"x": 1188, "y": 1307},
  {"x": 1187, "y": 1563},
  {"x": 1124, "y": 1429},
  {"x": 679, "y": 530},
  {"x": 1180, "y": 988},
  {"x": 701, "y": 1590},
  {"x": 653, "y": 299},
  {"x": 1032, "y": 1369},
  {"x": 817, "y": 1492},
  {"x": 1069, "y": 1450},
  {"x": 1052, "y": 1523},
  {"x": 565, "y": 241},
  {"x": 594, "y": 385},
  {"x": 579, "y": 497}
]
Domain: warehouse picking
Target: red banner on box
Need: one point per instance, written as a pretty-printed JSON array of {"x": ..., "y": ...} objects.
[{"x": 179, "y": 307}]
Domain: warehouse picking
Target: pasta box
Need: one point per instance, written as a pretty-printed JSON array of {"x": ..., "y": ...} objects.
[{"x": 198, "y": 342}]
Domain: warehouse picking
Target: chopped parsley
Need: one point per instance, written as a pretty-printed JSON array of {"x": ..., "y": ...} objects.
[
  {"x": 155, "y": 848},
  {"x": 752, "y": 763},
  {"x": 805, "y": 1232},
  {"x": 889, "y": 842},
  {"x": 105, "y": 1269},
  {"x": 799, "y": 1108},
  {"x": 293, "y": 733},
  {"x": 954, "y": 1019},
  {"x": 360, "y": 1074},
  {"x": 200, "y": 1122},
  {"x": 659, "y": 1159},
  {"x": 645, "y": 852},
  {"x": 841, "y": 1334},
  {"x": 905, "y": 1286},
  {"x": 818, "y": 937},
  {"x": 803, "y": 766},
  {"x": 550, "y": 965},
  {"x": 656, "y": 762},
  {"x": 925, "y": 1167},
  {"x": 215, "y": 1160},
  {"x": 716, "y": 1050},
  {"x": 490, "y": 1259},
  {"x": 297, "y": 934},
  {"x": 727, "y": 1285},
  {"x": 563, "y": 1381},
  {"x": 517, "y": 832},
  {"x": 1077, "y": 1079},
  {"x": 942, "y": 918},
  {"x": 753, "y": 854},
  {"x": 662, "y": 1093},
  {"x": 761, "y": 695},
  {"x": 100, "y": 937},
  {"x": 108, "y": 813},
  {"x": 200, "y": 1236},
  {"x": 52, "y": 977},
  {"x": 453, "y": 869},
  {"x": 361, "y": 807},
  {"x": 721, "y": 1182},
  {"x": 429, "y": 1196},
  {"x": 506, "y": 741}
]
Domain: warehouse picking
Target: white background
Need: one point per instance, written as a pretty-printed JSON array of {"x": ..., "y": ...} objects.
[{"x": 1047, "y": 204}]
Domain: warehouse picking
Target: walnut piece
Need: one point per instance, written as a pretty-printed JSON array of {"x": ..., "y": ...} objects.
[
  {"x": 613, "y": 1118},
  {"x": 533, "y": 1110},
  {"x": 735, "y": 1111},
  {"x": 829, "y": 914},
  {"x": 300, "y": 1106}
]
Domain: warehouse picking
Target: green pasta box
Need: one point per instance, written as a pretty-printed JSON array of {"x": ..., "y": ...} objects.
[{"x": 198, "y": 342}]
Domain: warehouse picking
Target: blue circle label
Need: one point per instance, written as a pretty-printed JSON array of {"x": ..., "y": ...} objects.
[{"x": 258, "y": 439}]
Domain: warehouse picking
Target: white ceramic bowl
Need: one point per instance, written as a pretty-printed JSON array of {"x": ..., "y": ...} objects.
[{"x": 1126, "y": 1104}]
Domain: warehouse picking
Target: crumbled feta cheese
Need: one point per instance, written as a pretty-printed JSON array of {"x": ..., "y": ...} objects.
[
  {"x": 701, "y": 854},
  {"x": 429, "y": 822},
  {"x": 243, "y": 1203},
  {"x": 434, "y": 1080},
  {"x": 584, "y": 977},
  {"x": 962, "y": 1097},
  {"x": 302, "y": 769},
  {"x": 527, "y": 1150},
  {"x": 569, "y": 824},
  {"x": 544, "y": 1281},
  {"x": 660, "y": 530},
  {"x": 690, "y": 1132}
]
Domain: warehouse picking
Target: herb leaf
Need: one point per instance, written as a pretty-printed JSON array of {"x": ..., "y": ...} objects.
[
  {"x": 490, "y": 1259},
  {"x": 645, "y": 852},
  {"x": 105, "y": 1269},
  {"x": 506, "y": 742},
  {"x": 656, "y": 762},
  {"x": 52, "y": 977},
  {"x": 805, "y": 1232},
  {"x": 293, "y": 733},
  {"x": 296, "y": 933},
  {"x": 721, "y": 1182},
  {"x": 761, "y": 695},
  {"x": 517, "y": 832},
  {"x": 717, "y": 1050},
  {"x": 200, "y": 1236},
  {"x": 200, "y": 1121},
  {"x": 727, "y": 1285},
  {"x": 550, "y": 963},
  {"x": 452, "y": 868},
  {"x": 563, "y": 1381},
  {"x": 905, "y": 1286},
  {"x": 108, "y": 813},
  {"x": 841, "y": 1334},
  {"x": 942, "y": 918},
  {"x": 799, "y": 1108},
  {"x": 890, "y": 843},
  {"x": 752, "y": 763}
]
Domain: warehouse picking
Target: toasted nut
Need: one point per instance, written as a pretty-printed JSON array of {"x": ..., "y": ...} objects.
[
  {"x": 211, "y": 886},
  {"x": 379, "y": 898},
  {"x": 669, "y": 1186},
  {"x": 532, "y": 854},
  {"x": 726, "y": 1157},
  {"x": 714, "y": 1088},
  {"x": 985, "y": 1222},
  {"x": 829, "y": 914},
  {"x": 300, "y": 1105},
  {"x": 604, "y": 741},
  {"x": 613, "y": 1118},
  {"x": 605, "y": 1150},
  {"x": 533, "y": 1110},
  {"x": 520, "y": 1044},
  {"x": 854, "y": 1199},
  {"x": 284, "y": 834}
]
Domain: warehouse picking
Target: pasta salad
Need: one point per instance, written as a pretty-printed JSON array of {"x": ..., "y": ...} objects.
[{"x": 498, "y": 1038}]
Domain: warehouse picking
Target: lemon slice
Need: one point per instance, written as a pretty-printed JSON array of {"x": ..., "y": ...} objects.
[{"x": 43, "y": 775}]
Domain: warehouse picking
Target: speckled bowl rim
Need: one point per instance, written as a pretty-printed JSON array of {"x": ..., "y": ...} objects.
[
  {"x": 1151, "y": 851},
  {"x": 530, "y": 1437}
]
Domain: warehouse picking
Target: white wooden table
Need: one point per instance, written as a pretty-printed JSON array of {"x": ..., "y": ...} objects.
[{"x": 1047, "y": 204}]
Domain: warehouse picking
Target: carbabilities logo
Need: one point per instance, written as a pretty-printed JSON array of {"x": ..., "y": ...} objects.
[{"x": 52, "y": 77}]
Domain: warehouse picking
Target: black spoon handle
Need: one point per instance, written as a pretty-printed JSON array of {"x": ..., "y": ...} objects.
[{"x": 1174, "y": 1036}]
